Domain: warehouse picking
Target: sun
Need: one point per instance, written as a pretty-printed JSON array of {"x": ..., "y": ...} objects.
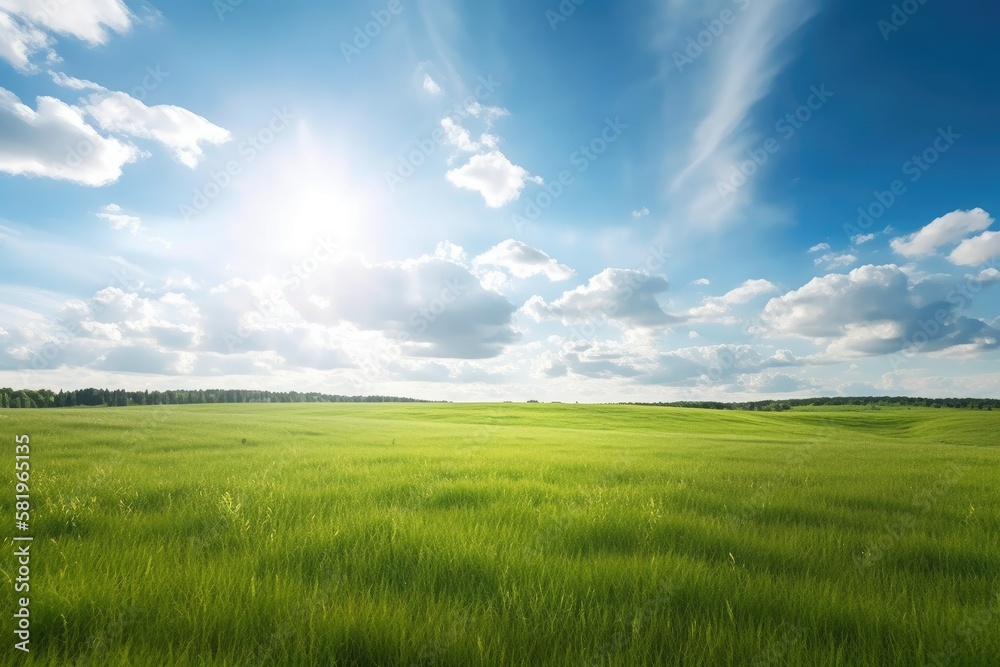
[{"x": 300, "y": 195}]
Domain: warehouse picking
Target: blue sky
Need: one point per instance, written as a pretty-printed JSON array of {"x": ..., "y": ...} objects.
[{"x": 488, "y": 201}]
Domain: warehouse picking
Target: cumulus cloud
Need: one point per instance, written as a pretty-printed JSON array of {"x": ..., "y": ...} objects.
[
  {"x": 819, "y": 247},
  {"x": 859, "y": 239},
  {"x": 639, "y": 361},
  {"x": 180, "y": 130},
  {"x": 493, "y": 176},
  {"x": 640, "y": 213},
  {"x": 772, "y": 383},
  {"x": 19, "y": 40},
  {"x": 948, "y": 229},
  {"x": 56, "y": 142},
  {"x": 713, "y": 364},
  {"x": 625, "y": 296},
  {"x": 417, "y": 309},
  {"x": 433, "y": 307},
  {"x": 26, "y": 26},
  {"x": 592, "y": 359},
  {"x": 701, "y": 281},
  {"x": 488, "y": 172},
  {"x": 715, "y": 307},
  {"x": 876, "y": 310},
  {"x": 523, "y": 261},
  {"x": 988, "y": 276},
  {"x": 977, "y": 250},
  {"x": 88, "y": 20}
]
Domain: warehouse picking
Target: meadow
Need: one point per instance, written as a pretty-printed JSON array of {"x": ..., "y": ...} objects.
[{"x": 506, "y": 534}]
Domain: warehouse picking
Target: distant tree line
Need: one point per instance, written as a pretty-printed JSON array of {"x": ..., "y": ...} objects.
[
  {"x": 871, "y": 401},
  {"x": 44, "y": 398}
]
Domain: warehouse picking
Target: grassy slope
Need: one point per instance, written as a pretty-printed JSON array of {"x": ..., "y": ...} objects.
[{"x": 511, "y": 534}]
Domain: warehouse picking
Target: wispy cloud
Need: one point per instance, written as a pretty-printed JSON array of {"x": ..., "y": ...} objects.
[{"x": 737, "y": 74}]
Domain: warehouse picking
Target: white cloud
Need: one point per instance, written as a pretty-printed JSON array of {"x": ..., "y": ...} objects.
[
  {"x": 18, "y": 41},
  {"x": 433, "y": 307},
  {"x": 180, "y": 130},
  {"x": 713, "y": 364},
  {"x": 626, "y": 296},
  {"x": 431, "y": 86},
  {"x": 859, "y": 239},
  {"x": 87, "y": 20},
  {"x": 715, "y": 307},
  {"x": 458, "y": 136},
  {"x": 417, "y": 309},
  {"x": 121, "y": 221},
  {"x": 977, "y": 250},
  {"x": 739, "y": 73},
  {"x": 988, "y": 276},
  {"x": 701, "y": 281},
  {"x": 947, "y": 229},
  {"x": 636, "y": 359},
  {"x": 56, "y": 142},
  {"x": 451, "y": 252},
  {"x": 834, "y": 260},
  {"x": 523, "y": 261},
  {"x": 641, "y": 213},
  {"x": 487, "y": 113},
  {"x": 826, "y": 305},
  {"x": 769, "y": 382},
  {"x": 488, "y": 171},
  {"x": 493, "y": 176},
  {"x": 876, "y": 310},
  {"x": 747, "y": 291},
  {"x": 72, "y": 83},
  {"x": 819, "y": 247}
]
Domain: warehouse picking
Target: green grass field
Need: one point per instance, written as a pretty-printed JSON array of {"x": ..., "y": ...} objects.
[{"x": 508, "y": 534}]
